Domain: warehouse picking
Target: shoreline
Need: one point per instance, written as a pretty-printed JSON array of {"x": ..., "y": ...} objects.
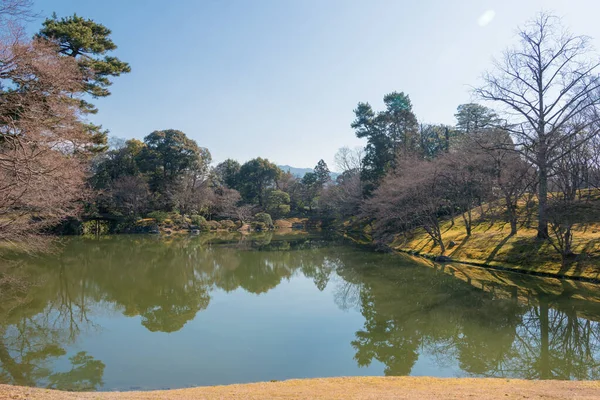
[
  {"x": 344, "y": 388},
  {"x": 491, "y": 245},
  {"x": 497, "y": 267}
]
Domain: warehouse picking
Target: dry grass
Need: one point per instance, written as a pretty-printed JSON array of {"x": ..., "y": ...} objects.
[
  {"x": 491, "y": 243},
  {"x": 346, "y": 388},
  {"x": 282, "y": 224}
]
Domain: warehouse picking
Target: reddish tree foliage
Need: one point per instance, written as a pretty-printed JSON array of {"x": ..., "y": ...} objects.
[
  {"x": 411, "y": 196},
  {"x": 43, "y": 141}
]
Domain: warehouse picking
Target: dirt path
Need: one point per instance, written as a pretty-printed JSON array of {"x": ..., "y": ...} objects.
[{"x": 346, "y": 388}]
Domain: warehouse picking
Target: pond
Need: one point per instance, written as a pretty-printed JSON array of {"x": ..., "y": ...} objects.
[{"x": 141, "y": 312}]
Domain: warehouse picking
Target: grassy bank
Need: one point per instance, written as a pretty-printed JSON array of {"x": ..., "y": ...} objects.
[
  {"x": 491, "y": 243},
  {"x": 346, "y": 388}
]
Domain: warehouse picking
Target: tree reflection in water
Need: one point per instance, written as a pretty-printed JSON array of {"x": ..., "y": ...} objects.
[
  {"x": 507, "y": 325},
  {"x": 542, "y": 336}
]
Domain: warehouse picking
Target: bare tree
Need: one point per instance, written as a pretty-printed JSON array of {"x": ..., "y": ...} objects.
[
  {"x": 347, "y": 159},
  {"x": 510, "y": 175},
  {"x": 224, "y": 202},
  {"x": 464, "y": 182},
  {"x": 345, "y": 196},
  {"x": 544, "y": 83},
  {"x": 245, "y": 212},
  {"x": 13, "y": 13},
  {"x": 567, "y": 203},
  {"x": 131, "y": 195},
  {"x": 192, "y": 193},
  {"x": 43, "y": 142},
  {"x": 410, "y": 198}
]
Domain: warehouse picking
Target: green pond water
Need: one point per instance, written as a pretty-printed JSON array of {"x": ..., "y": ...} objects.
[{"x": 141, "y": 312}]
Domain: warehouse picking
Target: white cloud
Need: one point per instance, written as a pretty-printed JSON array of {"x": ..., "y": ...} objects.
[{"x": 485, "y": 18}]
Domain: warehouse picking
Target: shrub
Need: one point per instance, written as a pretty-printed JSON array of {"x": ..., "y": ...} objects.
[
  {"x": 158, "y": 216},
  {"x": 204, "y": 227},
  {"x": 214, "y": 225},
  {"x": 278, "y": 203},
  {"x": 228, "y": 224},
  {"x": 265, "y": 219},
  {"x": 200, "y": 222},
  {"x": 176, "y": 218},
  {"x": 197, "y": 219}
]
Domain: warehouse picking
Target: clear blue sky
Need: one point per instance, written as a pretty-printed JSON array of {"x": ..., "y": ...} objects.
[{"x": 280, "y": 78}]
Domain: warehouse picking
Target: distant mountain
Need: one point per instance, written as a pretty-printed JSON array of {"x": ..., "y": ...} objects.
[{"x": 299, "y": 172}]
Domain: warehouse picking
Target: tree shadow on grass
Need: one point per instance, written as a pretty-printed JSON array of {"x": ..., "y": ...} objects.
[
  {"x": 497, "y": 249},
  {"x": 496, "y": 224},
  {"x": 589, "y": 247},
  {"x": 428, "y": 242},
  {"x": 571, "y": 263},
  {"x": 575, "y": 266},
  {"x": 584, "y": 260},
  {"x": 524, "y": 251},
  {"x": 456, "y": 249}
]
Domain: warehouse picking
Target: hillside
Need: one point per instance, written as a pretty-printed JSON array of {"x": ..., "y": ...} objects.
[{"x": 491, "y": 244}]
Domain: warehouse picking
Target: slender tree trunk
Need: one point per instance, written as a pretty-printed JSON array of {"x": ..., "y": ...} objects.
[
  {"x": 568, "y": 241},
  {"x": 543, "y": 203},
  {"x": 438, "y": 233},
  {"x": 542, "y": 156},
  {"x": 441, "y": 243},
  {"x": 467, "y": 219},
  {"x": 435, "y": 233},
  {"x": 513, "y": 226},
  {"x": 512, "y": 214}
]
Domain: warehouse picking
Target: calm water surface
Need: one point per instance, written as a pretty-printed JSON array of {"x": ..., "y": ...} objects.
[{"x": 138, "y": 312}]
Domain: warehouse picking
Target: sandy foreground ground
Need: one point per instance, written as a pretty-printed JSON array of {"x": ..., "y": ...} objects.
[{"x": 345, "y": 388}]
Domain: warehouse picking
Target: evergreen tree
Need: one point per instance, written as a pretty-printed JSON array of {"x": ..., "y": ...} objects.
[
  {"x": 256, "y": 176},
  {"x": 472, "y": 117},
  {"x": 389, "y": 134},
  {"x": 88, "y": 42},
  {"x": 322, "y": 172},
  {"x": 228, "y": 173}
]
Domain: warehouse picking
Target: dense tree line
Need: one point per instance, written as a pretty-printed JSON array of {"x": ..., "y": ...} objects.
[{"x": 169, "y": 176}]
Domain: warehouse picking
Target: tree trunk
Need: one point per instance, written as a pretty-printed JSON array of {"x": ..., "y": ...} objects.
[
  {"x": 467, "y": 220},
  {"x": 511, "y": 209},
  {"x": 435, "y": 234},
  {"x": 513, "y": 226},
  {"x": 438, "y": 233},
  {"x": 442, "y": 247},
  {"x": 568, "y": 241},
  {"x": 543, "y": 204}
]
